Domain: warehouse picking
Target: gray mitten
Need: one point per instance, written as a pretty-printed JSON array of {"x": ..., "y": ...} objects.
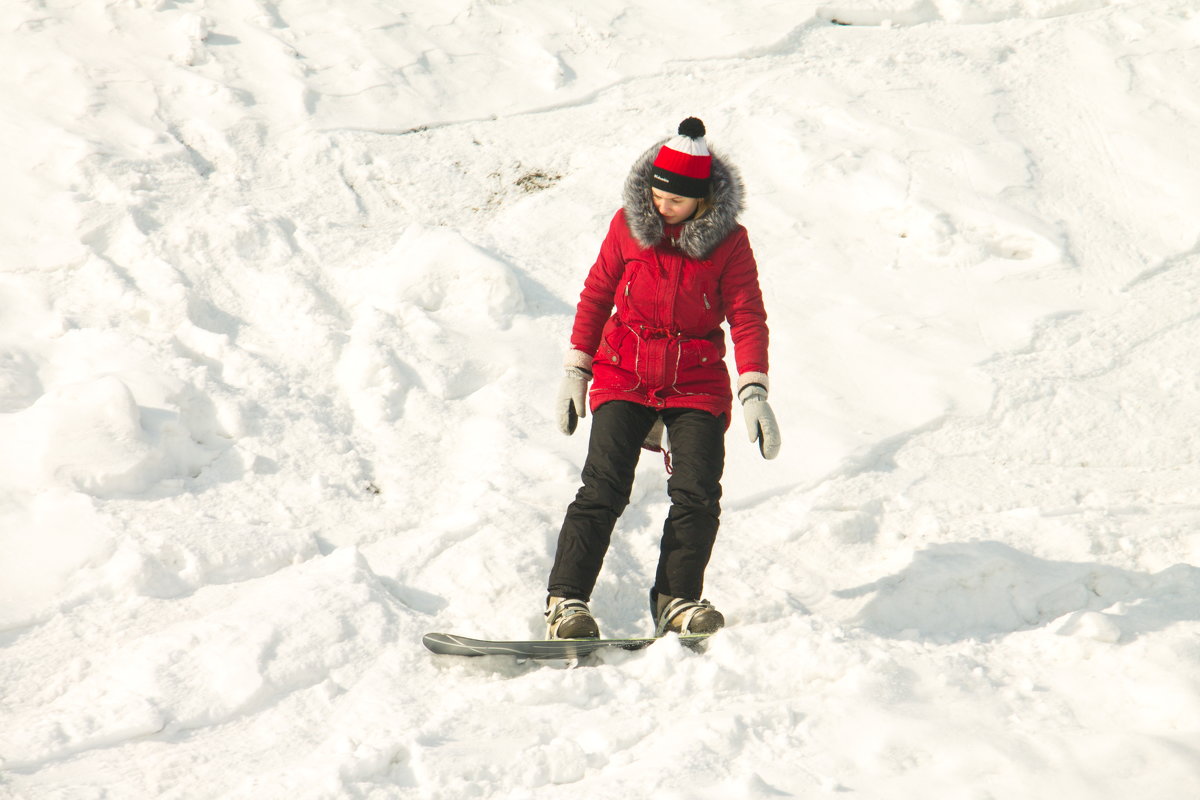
[
  {"x": 572, "y": 392},
  {"x": 760, "y": 419}
]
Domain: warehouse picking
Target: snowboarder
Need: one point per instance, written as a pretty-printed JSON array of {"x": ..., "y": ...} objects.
[{"x": 676, "y": 265}]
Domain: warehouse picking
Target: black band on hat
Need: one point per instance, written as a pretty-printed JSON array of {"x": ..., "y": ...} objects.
[{"x": 682, "y": 185}]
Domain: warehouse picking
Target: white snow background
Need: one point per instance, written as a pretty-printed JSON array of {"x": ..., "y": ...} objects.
[{"x": 284, "y": 290}]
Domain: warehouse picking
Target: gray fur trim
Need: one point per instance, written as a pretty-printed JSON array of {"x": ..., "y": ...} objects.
[{"x": 699, "y": 236}]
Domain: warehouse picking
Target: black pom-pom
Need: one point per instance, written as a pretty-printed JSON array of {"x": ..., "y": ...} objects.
[{"x": 692, "y": 128}]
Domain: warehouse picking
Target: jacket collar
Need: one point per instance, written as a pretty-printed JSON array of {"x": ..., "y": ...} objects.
[{"x": 697, "y": 237}]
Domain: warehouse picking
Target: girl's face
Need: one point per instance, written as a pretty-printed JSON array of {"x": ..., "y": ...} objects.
[{"x": 673, "y": 208}]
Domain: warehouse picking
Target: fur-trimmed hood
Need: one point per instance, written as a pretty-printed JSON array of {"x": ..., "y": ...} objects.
[{"x": 698, "y": 237}]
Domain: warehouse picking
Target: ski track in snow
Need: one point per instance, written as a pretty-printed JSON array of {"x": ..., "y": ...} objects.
[{"x": 283, "y": 291}]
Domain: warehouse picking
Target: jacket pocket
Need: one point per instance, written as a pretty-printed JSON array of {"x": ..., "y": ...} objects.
[
  {"x": 635, "y": 298},
  {"x": 700, "y": 369},
  {"x": 699, "y": 307},
  {"x": 617, "y": 359}
]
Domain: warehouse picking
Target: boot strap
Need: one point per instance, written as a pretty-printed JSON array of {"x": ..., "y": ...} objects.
[
  {"x": 689, "y": 609},
  {"x": 565, "y": 608}
]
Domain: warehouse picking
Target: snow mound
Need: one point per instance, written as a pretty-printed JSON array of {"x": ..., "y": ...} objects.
[{"x": 93, "y": 437}]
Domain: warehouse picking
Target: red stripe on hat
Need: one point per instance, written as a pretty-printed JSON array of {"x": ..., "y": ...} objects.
[{"x": 683, "y": 164}]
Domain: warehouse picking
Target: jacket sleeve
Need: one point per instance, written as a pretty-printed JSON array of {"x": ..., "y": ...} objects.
[
  {"x": 599, "y": 290},
  {"x": 744, "y": 306}
]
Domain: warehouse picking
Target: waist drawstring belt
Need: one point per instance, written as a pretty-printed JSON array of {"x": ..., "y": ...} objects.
[{"x": 650, "y": 332}]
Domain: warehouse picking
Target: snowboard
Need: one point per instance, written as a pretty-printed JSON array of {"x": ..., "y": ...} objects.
[{"x": 449, "y": 644}]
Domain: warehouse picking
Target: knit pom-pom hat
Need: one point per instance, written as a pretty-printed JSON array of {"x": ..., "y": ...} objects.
[{"x": 683, "y": 164}]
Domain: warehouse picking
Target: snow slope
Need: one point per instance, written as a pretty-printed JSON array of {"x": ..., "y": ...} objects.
[{"x": 284, "y": 288}]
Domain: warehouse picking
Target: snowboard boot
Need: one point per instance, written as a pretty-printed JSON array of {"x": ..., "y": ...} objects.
[
  {"x": 676, "y": 615},
  {"x": 569, "y": 619}
]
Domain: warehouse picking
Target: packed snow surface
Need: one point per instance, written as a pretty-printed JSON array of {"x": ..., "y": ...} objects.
[{"x": 285, "y": 286}]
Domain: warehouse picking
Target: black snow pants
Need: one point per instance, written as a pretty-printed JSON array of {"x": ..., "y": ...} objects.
[{"x": 697, "y": 442}]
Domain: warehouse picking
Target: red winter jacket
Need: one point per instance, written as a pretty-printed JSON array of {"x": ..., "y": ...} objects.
[{"x": 672, "y": 288}]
